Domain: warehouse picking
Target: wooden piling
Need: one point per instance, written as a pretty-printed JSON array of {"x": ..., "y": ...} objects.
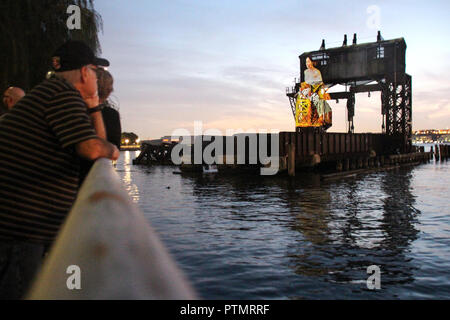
[
  {"x": 352, "y": 164},
  {"x": 366, "y": 163},
  {"x": 444, "y": 152},
  {"x": 346, "y": 164},
  {"x": 339, "y": 166},
  {"x": 291, "y": 160}
]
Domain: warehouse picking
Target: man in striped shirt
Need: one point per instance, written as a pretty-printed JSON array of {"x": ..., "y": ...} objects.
[{"x": 40, "y": 142}]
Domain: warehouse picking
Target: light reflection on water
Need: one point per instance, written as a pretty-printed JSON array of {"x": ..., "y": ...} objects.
[
  {"x": 124, "y": 167},
  {"x": 252, "y": 237}
]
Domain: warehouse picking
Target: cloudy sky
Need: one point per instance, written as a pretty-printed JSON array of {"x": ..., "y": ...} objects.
[{"x": 228, "y": 63}]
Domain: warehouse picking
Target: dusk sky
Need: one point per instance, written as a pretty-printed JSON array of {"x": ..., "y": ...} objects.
[{"x": 228, "y": 63}]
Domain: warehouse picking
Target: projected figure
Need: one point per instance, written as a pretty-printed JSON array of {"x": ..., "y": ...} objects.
[{"x": 312, "y": 110}]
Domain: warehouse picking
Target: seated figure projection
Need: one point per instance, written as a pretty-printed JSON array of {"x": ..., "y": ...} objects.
[{"x": 311, "y": 108}]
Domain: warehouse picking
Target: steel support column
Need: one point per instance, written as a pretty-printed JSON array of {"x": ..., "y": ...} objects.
[
  {"x": 351, "y": 112},
  {"x": 397, "y": 110}
]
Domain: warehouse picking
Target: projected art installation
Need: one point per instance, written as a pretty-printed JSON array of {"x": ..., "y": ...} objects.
[{"x": 312, "y": 109}]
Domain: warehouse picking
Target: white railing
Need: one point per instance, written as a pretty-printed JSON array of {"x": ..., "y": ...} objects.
[{"x": 106, "y": 249}]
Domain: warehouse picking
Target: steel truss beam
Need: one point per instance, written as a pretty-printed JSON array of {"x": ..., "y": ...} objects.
[{"x": 396, "y": 99}]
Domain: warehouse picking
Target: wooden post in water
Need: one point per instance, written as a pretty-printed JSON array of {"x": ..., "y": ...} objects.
[
  {"x": 291, "y": 159},
  {"x": 352, "y": 164},
  {"x": 346, "y": 164},
  {"x": 339, "y": 165},
  {"x": 366, "y": 163}
]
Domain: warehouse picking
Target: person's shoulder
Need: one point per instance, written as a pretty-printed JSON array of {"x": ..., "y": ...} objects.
[
  {"x": 63, "y": 90},
  {"x": 107, "y": 109},
  {"x": 61, "y": 85},
  {"x": 50, "y": 88}
]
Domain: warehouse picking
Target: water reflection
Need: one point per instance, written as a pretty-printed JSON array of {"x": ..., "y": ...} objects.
[
  {"x": 253, "y": 237},
  {"x": 400, "y": 215},
  {"x": 125, "y": 168},
  {"x": 342, "y": 227},
  {"x": 350, "y": 225},
  {"x": 399, "y": 223}
]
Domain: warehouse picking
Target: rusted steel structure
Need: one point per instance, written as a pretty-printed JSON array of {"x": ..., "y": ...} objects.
[{"x": 368, "y": 67}]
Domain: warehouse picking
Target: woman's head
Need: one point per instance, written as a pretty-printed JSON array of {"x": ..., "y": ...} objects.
[
  {"x": 105, "y": 84},
  {"x": 309, "y": 63}
]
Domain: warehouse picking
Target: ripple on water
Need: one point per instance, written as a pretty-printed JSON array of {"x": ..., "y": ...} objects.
[{"x": 247, "y": 237}]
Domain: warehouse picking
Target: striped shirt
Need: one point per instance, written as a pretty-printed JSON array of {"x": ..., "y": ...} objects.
[{"x": 39, "y": 167}]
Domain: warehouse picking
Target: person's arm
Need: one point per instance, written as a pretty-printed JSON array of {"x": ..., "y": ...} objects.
[
  {"x": 99, "y": 125},
  {"x": 92, "y": 149},
  {"x": 96, "y": 117},
  {"x": 72, "y": 127}
]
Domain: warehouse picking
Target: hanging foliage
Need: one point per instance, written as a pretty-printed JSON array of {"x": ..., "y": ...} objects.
[{"x": 30, "y": 31}]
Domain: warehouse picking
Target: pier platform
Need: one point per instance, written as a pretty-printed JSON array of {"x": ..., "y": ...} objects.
[{"x": 321, "y": 152}]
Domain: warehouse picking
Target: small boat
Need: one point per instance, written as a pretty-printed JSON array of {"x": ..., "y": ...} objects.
[{"x": 210, "y": 168}]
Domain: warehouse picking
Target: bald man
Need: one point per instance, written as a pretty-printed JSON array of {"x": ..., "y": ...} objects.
[{"x": 11, "y": 96}]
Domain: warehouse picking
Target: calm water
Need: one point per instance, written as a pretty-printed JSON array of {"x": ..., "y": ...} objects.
[{"x": 250, "y": 237}]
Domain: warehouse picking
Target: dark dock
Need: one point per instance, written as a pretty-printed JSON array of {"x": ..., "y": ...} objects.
[
  {"x": 330, "y": 154},
  {"x": 336, "y": 153},
  {"x": 155, "y": 153}
]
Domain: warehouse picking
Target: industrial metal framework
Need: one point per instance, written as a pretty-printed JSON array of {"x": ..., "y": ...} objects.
[{"x": 368, "y": 67}]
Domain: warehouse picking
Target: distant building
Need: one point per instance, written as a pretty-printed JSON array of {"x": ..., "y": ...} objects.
[{"x": 431, "y": 135}]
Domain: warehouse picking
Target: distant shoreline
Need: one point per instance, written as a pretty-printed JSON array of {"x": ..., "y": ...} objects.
[{"x": 130, "y": 148}]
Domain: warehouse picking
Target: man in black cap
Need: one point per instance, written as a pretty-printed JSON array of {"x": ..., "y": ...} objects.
[{"x": 40, "y": 141}]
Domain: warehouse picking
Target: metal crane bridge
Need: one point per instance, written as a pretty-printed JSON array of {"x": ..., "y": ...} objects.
[{"x": 375, "y": 66}]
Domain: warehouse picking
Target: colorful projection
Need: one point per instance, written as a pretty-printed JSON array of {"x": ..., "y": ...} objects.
[{"x": 311, "y": 108}]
